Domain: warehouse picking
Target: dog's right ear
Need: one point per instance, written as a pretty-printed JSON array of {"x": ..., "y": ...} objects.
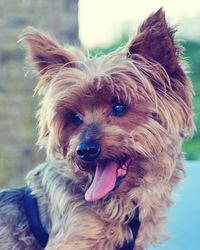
[
  {"x": 155, "y": 41},
  {"x": 45, "y": 53}
]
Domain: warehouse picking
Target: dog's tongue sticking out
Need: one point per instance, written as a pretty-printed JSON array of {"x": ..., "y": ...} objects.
[{"x": 104, "y": 180}]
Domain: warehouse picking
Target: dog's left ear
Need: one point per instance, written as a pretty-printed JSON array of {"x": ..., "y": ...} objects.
[{"x": 155, "y": 40}]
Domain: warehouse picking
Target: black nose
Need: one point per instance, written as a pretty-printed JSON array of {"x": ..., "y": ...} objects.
[{"x": 88, "y": 150}]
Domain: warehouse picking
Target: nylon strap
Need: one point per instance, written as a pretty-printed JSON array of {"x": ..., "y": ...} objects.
[
  {"x": 134, "y": 225},
  {"x": 33, "y": 217}
]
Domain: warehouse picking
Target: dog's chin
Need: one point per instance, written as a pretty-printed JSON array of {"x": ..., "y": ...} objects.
[{"x": 108, "y": 176}]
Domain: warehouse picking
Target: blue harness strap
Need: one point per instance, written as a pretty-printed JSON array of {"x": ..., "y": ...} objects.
[
  {"x": 33, "y": 217},
  {"x": 134, "y": 225},
  {"x": 35, "y": 225}
]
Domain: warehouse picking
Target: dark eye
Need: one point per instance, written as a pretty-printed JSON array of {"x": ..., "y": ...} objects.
[
  {"x": 119, "y": 109},
  {"x": 76, "y": 119},
  {"x": 155, "y": 117}
]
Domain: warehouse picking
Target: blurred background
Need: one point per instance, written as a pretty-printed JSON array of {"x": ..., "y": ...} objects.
[{"x": 99, "y": 26}]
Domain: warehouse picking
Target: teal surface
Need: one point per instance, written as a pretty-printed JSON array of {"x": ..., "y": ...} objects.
[{"x": 184, "y": 220}]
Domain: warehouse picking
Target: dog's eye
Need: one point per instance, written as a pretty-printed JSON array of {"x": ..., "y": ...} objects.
[
  {"x": 76, "y": 119},
  {"x": 155, "y": 117},
  {"x": 119, "y": 109}
]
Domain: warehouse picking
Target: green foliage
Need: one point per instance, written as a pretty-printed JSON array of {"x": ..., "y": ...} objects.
[{"x": 192, "y": 55}]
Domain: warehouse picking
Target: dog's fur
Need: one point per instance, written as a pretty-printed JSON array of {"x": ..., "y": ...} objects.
[{"x": 147, "y": 75}]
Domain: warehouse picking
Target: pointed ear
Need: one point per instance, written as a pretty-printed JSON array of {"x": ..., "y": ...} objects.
[
  {"x": 155, "y": 40},
  {"x": 44, "y": 52}
]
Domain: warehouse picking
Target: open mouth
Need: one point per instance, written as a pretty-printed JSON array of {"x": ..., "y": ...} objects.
[{"x": 108, "y": 176}]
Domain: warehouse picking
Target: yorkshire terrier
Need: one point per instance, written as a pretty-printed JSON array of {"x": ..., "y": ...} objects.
[{"x": 112, "y": 127}]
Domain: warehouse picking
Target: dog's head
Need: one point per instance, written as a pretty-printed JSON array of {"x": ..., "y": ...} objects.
[{"x": 113, "y": 116}]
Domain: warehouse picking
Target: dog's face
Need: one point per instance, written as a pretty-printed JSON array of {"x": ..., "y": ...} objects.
[{"x": 110, "y": 116}]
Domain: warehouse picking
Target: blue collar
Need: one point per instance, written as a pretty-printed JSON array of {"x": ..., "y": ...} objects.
[{"x": 35, "y": 225}]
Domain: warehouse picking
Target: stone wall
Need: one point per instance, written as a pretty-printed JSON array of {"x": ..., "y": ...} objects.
[{"x": 18, "y": 133}]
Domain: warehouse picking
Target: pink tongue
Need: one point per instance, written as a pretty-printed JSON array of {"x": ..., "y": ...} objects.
[{"x": 103, "y": 182}]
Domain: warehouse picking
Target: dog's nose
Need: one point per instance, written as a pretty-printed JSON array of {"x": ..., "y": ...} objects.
[{"x": 88, "y": 150}]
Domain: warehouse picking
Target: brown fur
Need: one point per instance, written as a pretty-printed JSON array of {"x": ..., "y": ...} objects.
[{"x": 147, "y": 75}]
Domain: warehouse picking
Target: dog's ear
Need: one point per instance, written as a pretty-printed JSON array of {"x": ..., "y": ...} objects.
[
  {"x": 45, "y": 53},
  {"x": 155, "y": 40}
]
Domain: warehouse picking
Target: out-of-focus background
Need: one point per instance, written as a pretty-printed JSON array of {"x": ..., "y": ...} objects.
[{"x": 100, "y": 26}]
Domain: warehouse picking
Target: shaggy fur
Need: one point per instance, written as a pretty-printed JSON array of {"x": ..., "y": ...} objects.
[{"x": 147, "y": 75}]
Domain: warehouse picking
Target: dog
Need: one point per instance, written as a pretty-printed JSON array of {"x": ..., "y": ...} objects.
[{"x": 112, "y": 127}]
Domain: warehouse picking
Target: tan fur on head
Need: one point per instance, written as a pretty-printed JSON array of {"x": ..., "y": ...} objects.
[{"x": 148, "y": 77}]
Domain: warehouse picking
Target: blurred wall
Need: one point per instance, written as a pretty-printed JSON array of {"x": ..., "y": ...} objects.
[{"x": 18, "y": 133}]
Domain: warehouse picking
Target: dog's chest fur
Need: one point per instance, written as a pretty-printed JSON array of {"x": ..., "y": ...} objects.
[
  {"x": 73, "y": 221},
  {"x": 69, "y": 219}
]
